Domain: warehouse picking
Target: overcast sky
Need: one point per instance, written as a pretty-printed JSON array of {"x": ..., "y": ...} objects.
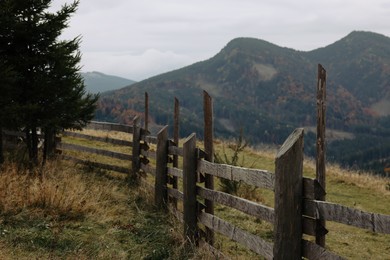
[{"x": 137, "y": 39}]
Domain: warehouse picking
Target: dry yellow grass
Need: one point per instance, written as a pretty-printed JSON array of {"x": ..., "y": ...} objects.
[{"x": 61, "y": 192}]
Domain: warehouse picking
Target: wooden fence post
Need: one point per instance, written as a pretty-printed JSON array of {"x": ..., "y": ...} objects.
[
  {"x": 146, "y": 123},
  {"x": 160, "y": 194},
  {"x": 288, "y": 198},
  {"x": 189, "y": 189},
  {"x": 320, "y": 144},
  {"x": 209, "y": 149},
  {"x": 136, "y": 146},
  {"x": 175, "y": 162}
]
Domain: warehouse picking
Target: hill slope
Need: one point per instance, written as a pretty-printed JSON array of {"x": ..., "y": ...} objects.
[
  {"x": 98, "y": 82},
  {"x": 268, "y": 90}
]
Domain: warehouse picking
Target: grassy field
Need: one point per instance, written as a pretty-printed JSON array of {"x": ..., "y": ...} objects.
[{"x": 76, "y": 212}]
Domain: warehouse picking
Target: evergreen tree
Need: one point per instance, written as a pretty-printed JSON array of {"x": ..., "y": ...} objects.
[{"x": 48, "y": 91}]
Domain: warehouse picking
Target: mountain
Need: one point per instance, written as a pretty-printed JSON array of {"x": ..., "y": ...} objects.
[
  {"x": 96, "y": 82},
  {"x": 267, "y": 91}
]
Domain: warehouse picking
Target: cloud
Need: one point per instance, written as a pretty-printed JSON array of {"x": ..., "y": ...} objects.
[
  {"x": 172, "y": 33},
  {"x": 134, "y": 66}
]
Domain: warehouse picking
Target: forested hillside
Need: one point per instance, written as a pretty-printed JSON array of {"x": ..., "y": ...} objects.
[
  {"x": 97, "y": 82},
  {"x": 268, "y": 90}
]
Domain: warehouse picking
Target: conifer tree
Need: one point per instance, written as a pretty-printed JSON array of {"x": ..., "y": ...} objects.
[{"x": 49, "y": 92}]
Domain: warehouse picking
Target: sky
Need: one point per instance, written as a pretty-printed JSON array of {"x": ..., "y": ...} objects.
[{"x": 139, "y": 39}]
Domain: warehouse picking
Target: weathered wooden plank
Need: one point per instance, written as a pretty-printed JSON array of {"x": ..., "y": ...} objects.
[
  {"x": 255, "y": 177},
  {"x": 189, "y": 189},
  {"x": 175, "y": 172},
  {"x": 149, "y": 154},
  {"x": 146, "y": 125},
  {"x": 161, "y": 180},
  {"x": 149, "y": 139},
  {"x": 174, "y": 150},
  {"x": 109, "y": 127},
  {"x": 312, "y": 226},
  {"x": 246, "y": 206},
  {"x": 175, "y": 158},
  {"x": 375, "y": 222},
  {"x": 208, "y": 142},
  {"x": 315, "y": 252},
  {"x": 312, "y": 187},
  {"x": 245, "y": 238},
  {"x": 148, "y": 169},
  {"x": 175, "y": 193},
  {"x": 288, "y": 198},
  {"x": 320, "y": 142},
  {"x": 97, "y": 165},
  {"x": 98, "y": 138},
  {"x": 80, "y": 148},
  {"x": 135, "y": 162}
]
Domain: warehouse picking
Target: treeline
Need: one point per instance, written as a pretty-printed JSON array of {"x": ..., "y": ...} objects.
[{"x": 41, "y": 85}]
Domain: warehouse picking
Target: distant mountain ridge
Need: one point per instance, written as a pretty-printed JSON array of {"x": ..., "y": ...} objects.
[
  {"x": 97, "y": 82},
  {"x": 268, "y": 90}
]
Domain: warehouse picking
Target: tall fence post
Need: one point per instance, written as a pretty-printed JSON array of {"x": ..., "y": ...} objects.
[
  {"x": 189, "y": 189},
  {"x": 175, "y": 162},
  {"x": 320, "y": 144},
  {"x": 146, "y": 123},
  {"x": 209, "y": 149},
  {"x": 160, "y": 194},
  {"x": 288, "y": 198},
  {"x": 136, "y": 146}
]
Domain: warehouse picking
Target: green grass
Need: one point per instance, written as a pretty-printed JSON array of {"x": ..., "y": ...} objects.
[{"x": 81, "y": 213}]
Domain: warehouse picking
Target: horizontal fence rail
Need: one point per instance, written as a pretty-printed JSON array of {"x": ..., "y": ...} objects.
[
  {"x": 110, "y": 127},
  {"x": 155, "y": 155},
  {"x": 251, "y": 208},
  {"x": 97, "y": 138},
  {"x": 253, "y": 242},
  {"x": 81, "y": 148},
  {"x": 374, "y": 222},
  {"x": 258, "y": 178}
]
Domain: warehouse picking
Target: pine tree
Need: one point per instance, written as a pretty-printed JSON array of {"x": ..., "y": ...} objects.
[{"x": 49, "y": 92}]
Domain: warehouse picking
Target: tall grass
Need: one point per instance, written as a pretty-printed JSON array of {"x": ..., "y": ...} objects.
[{"x": 60, "y": 192}]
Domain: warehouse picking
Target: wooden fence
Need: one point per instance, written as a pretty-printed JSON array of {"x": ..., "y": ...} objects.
[
  {"x": 296, "y": 212},
  {"x": 297, "y": 209}
]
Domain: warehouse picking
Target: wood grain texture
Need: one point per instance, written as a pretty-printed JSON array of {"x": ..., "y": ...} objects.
[
  {"x": 98, "y": 138},
  {"x": 80, "y": 148},
  {"x": 175, "y": 193},
  {"x": 161, "y": 180},
  {"x": 288, "y": 198},
  {"x": 320, "y": 142},
  {"x": 136, "y": 163},
  {"x": 378, "y": 223},
  {"x": 149, "y": 154},
  {"x": 109, "y": 127},
  {"x": 175, "y": 172},
  {"x": 311, "y": 187},
  {"x": 315, "y": 252},
  {"x": 243, "y": 237},
  {"x": 243, "y": 205},
  {"x": 255, "y": 177},
  {"x": 174, "y": 150},
  {"x": 189, "y": 189}
]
